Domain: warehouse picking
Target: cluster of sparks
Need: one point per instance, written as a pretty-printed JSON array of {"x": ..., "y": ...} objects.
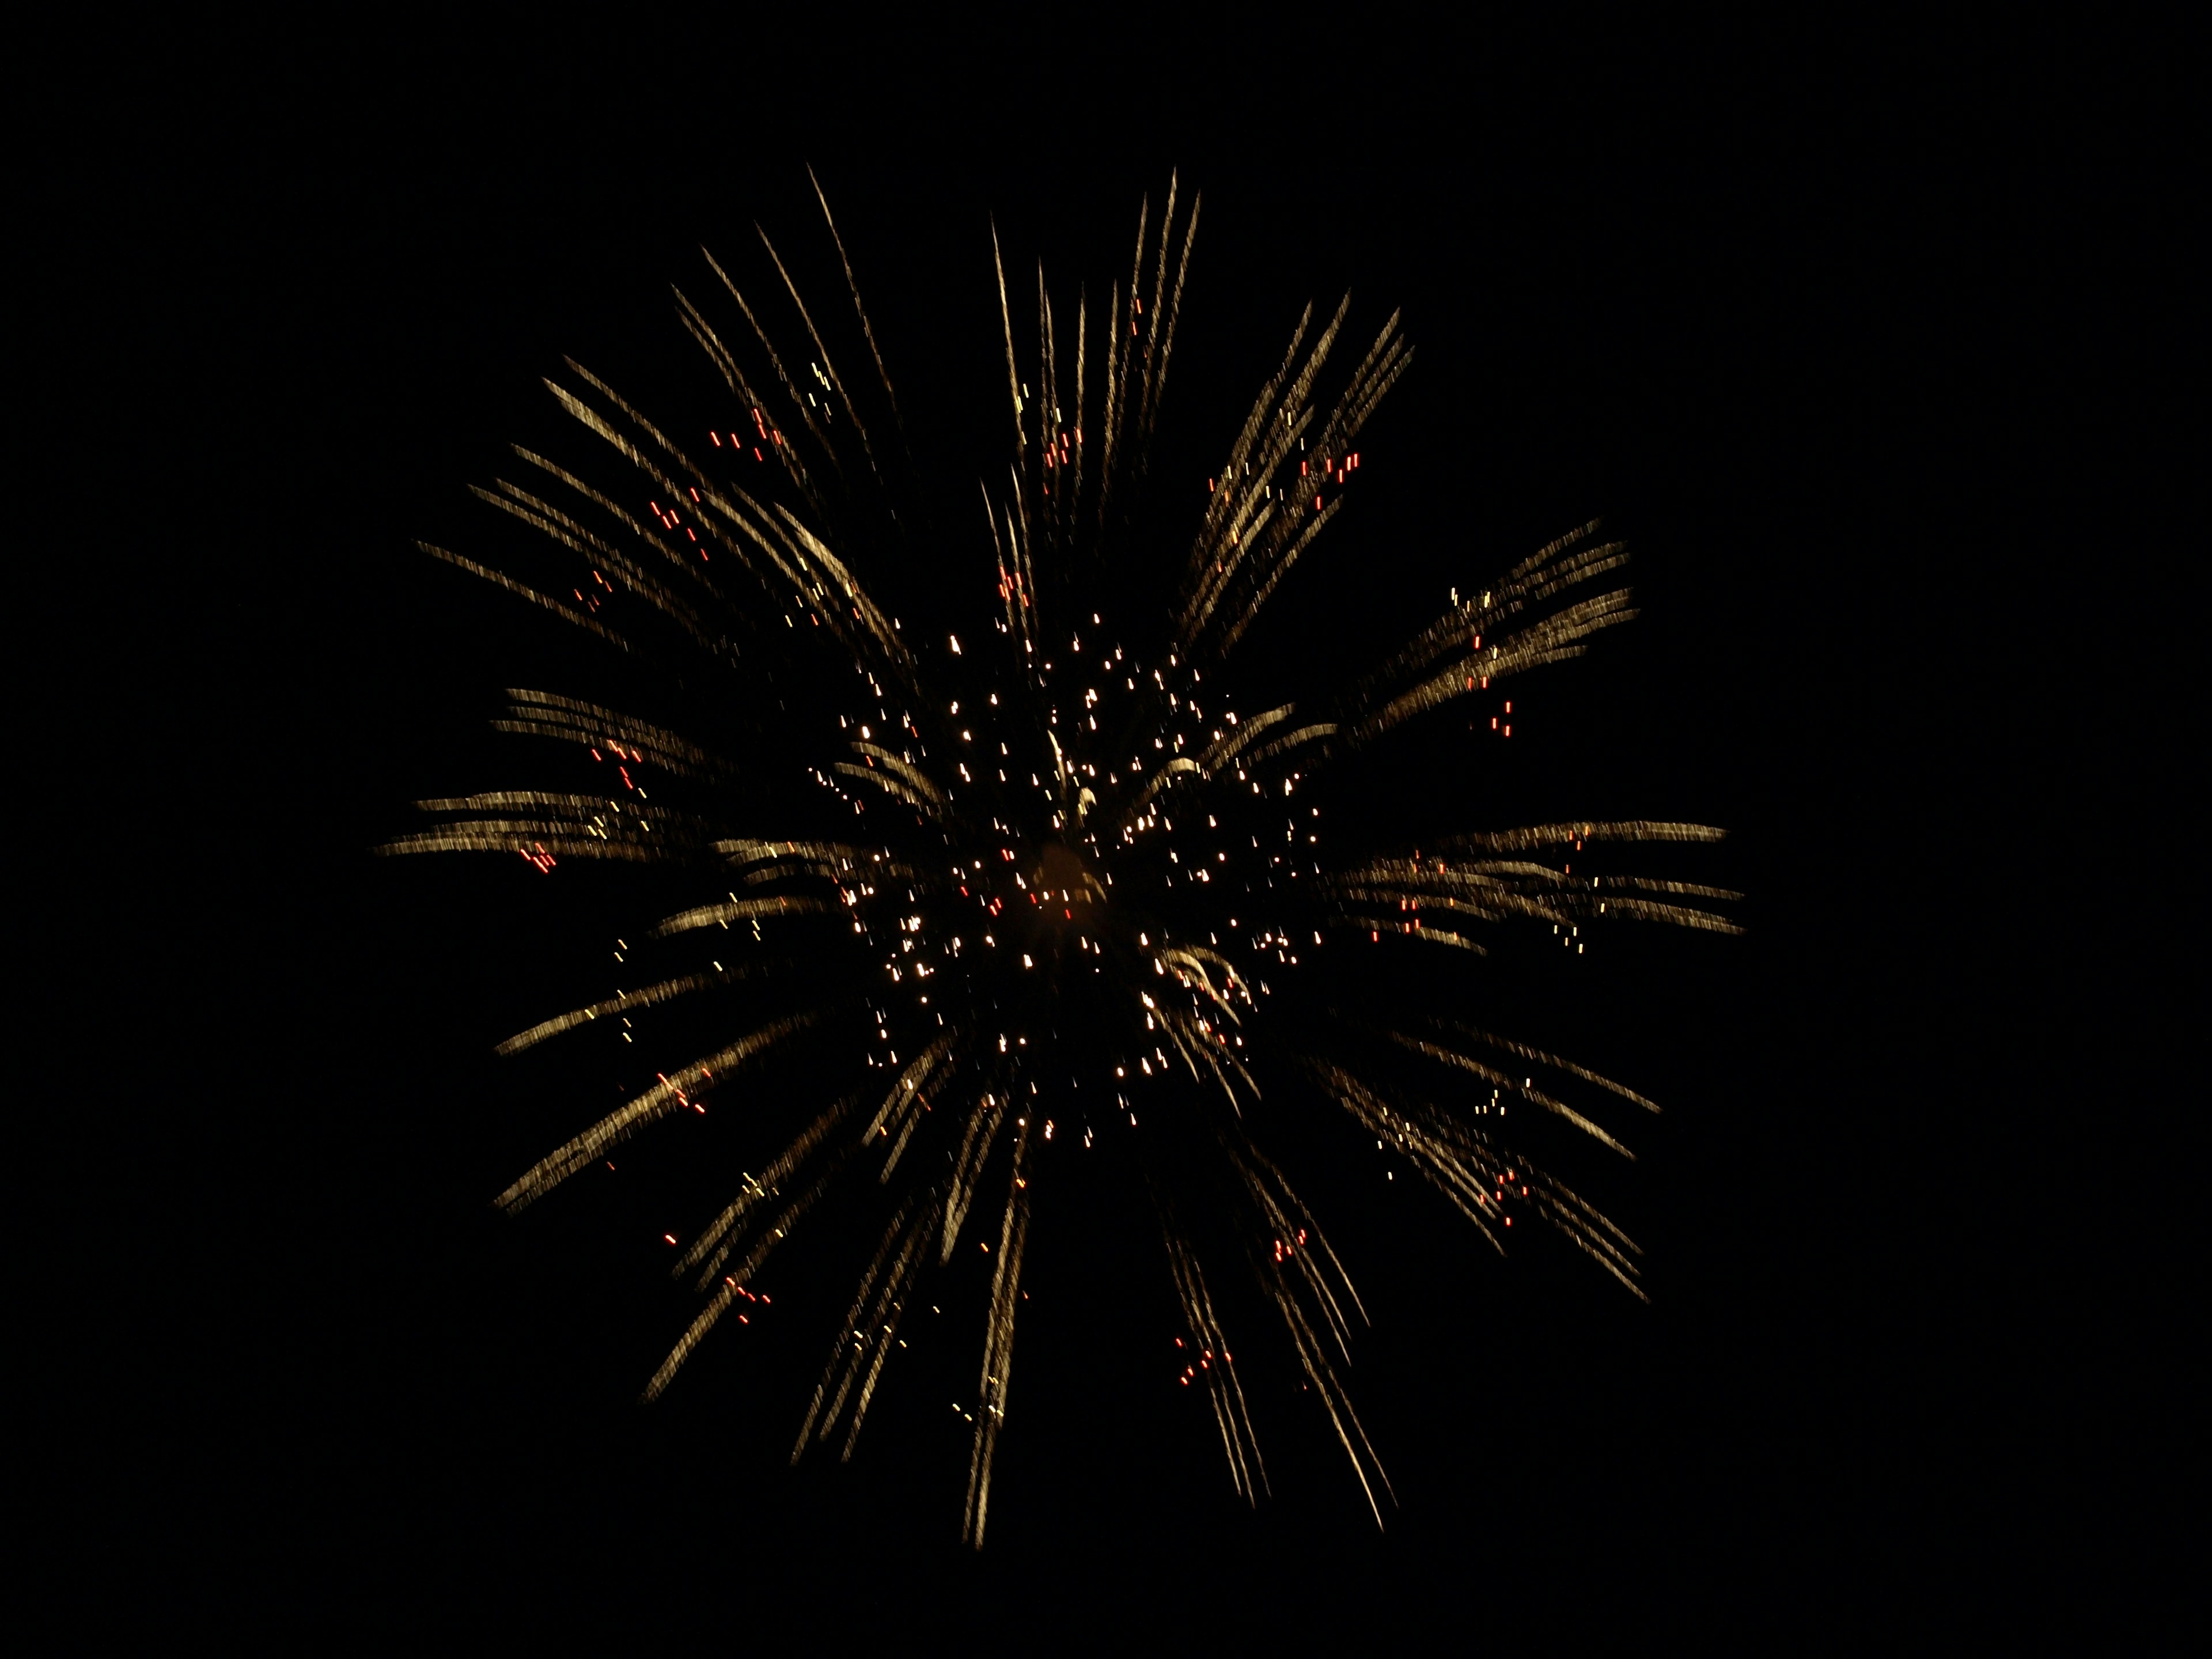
[{"x": 1057, "y": 899}]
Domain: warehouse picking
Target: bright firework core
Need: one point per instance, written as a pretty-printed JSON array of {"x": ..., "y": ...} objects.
[
  {"x": 1060, "y": 929},
  {"x": 1083, "y": 884},
  {"x": 1064, "y": 895}
]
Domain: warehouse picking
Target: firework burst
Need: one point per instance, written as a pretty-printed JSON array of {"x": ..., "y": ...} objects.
[{"x": 1015, "y": 881}]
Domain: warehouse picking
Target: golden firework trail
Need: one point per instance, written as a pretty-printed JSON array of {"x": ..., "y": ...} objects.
[{"x": 988, "y": 900}]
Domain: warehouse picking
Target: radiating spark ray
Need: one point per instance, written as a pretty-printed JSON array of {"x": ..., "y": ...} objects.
[
  {"x": 998, "y": 1340},
  {"x": 576, "y": 618},
  {"x": 659, "y": 1100},
  {"x": 852, "y": 284},
  {"x": 814, "y": 334}
]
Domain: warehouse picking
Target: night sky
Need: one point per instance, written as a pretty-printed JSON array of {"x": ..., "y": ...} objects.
[{"x": 358, "y": 1393}]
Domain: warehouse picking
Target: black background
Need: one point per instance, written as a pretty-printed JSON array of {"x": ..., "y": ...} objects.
[{"x": 1729, "y": 310}]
